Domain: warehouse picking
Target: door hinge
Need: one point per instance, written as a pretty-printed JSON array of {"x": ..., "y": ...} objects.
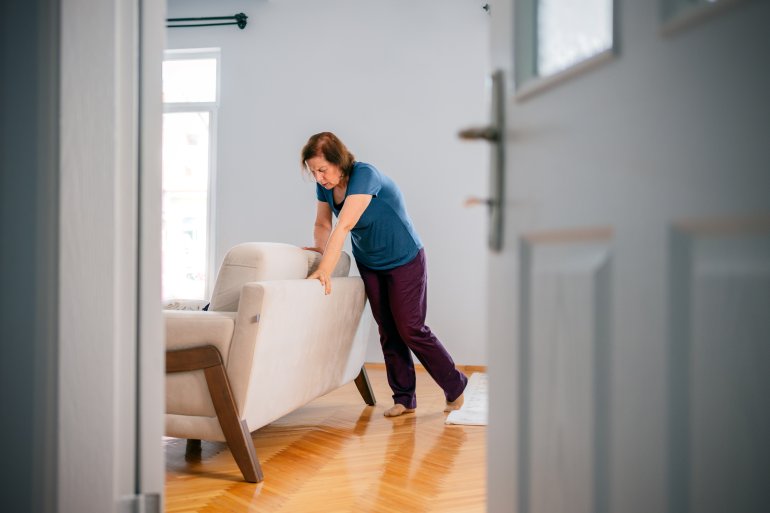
[{"x": 143, "y": 503}]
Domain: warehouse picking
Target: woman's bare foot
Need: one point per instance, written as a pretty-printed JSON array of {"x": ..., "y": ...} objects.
[
  {"x": 397, "y": 409},
  {"x": 456, "y": 404}
]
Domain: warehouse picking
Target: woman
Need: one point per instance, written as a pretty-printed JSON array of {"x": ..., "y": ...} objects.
[{"x": 391, "y": 260}]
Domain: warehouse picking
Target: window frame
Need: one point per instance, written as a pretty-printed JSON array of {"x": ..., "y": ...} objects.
[
  {"x": 528, "y": 84},
  {"x": 212, "y": 108}
]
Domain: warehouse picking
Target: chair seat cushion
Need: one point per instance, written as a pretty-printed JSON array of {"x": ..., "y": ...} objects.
[
  {"x": 255, "y": 261},
  {"x": 341, "y": 270}
]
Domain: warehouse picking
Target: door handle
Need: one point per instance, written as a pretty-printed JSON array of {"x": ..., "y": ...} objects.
[
  {"x": 487, "y": 133},
  {"x": 493, "y": 134}
]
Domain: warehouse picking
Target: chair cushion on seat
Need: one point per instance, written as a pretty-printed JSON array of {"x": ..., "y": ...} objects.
[
  {"x": 341, "y": 270},
  {"x": 255, "y": 261}
]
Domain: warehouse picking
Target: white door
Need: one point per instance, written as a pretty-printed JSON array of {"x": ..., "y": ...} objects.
[
  {"x": 110, "y": 369},
  {"x": 630, "y": 303}
]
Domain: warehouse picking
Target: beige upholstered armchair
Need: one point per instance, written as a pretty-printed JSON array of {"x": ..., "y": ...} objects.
[{"x": 270, "y": 342}]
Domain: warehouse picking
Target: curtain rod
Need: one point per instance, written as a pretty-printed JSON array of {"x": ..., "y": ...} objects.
[{"x": 239, "y": 19}]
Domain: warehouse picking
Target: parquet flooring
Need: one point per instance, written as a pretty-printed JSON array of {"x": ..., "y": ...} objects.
[{"x": 337, "y": 455}]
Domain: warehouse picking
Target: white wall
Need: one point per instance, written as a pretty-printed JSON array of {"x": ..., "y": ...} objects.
[{"x": 395, "y": 80}]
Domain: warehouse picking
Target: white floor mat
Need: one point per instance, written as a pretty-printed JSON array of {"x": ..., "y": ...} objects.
[{"x": 475, "y": 407}]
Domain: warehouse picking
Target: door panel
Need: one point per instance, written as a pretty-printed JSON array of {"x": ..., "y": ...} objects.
[
  {"x": 565, "y": 298},
  {"x": 718, "y": 376}
]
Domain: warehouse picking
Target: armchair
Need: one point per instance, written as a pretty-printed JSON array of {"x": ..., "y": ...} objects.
[{"x": 270, "y": 342}]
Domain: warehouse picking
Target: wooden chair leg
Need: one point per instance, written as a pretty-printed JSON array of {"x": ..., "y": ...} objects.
[
  {"x": 193, "y": 450},
  {"x": 235, "y": 430},
  {"x": 365, "y": 388}
]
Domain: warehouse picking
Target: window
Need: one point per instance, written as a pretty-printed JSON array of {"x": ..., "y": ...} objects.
[
  {"x": 190, "y": 100},
  {"x": 556, "y": 38},
  {"x": 569, "y": 32}
]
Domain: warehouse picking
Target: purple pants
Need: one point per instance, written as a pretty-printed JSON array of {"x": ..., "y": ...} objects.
[{"x": 399, "y": 300}]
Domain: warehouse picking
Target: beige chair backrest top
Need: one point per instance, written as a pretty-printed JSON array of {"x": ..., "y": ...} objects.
[{"x": 260, "y": 261}]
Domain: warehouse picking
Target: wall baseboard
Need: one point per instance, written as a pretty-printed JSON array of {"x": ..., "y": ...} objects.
[{"x": 467, "y": 369}]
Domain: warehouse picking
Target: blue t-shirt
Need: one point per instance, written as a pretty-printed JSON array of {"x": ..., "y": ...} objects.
[{"x": 383, "y": 238}]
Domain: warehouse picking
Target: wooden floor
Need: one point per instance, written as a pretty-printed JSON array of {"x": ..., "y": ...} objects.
[{"x": 338, "y": 455}]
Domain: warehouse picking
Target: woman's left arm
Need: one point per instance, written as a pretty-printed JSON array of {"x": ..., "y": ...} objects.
[{"x": 351, "y": 212}]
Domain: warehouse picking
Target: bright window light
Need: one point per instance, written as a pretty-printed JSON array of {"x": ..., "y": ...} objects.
[
  {"x": 189, "y": 80},
  {"x": 188, "y": 128},
  {"x": 569, "y": 32}
]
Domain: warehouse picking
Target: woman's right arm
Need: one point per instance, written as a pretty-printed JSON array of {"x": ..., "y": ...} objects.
[{"x": 323, "y": 226}]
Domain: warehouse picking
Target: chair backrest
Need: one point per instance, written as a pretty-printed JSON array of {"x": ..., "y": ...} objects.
[{"x": 260, "y": 261}]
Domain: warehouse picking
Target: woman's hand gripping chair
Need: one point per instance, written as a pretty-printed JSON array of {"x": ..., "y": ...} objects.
[{"x": 270, "y": 342}]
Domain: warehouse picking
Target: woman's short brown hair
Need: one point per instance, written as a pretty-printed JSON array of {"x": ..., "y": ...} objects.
[{"x": 331, "y": 148}]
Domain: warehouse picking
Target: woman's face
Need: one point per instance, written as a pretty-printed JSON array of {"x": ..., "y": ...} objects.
[{"x": 327, "y": 174}]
